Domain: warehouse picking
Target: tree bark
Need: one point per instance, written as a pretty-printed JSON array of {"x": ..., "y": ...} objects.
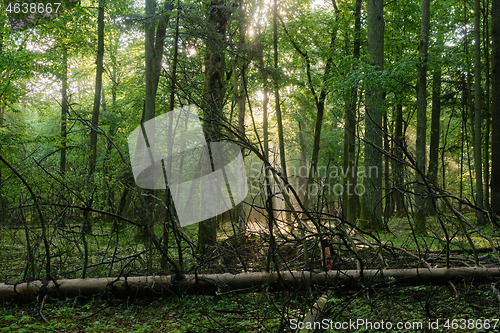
[
  {"x": 487, "y": 132},
  {"x": 435, "y": 128},
  {"x": 277, "y": 104},
  {"x": 495, "y": 108},
  {"x": 371, "y": 203},
  {"x": 241, "y": 96},
  {"x": 213, "y": 100},
  {"x": 64, "y": 110},
  {"x": 98, "y": 86},
  {"x": 210, "y": 283},
  {"x": 477, "y": 112},
  {"x": 350, "y": 199},
  {"x": 389, "y": 202},
  {"x": 153, "y": 53},
  {"x": 420, "y": 212},
  {"x": 397, "y": 162}
]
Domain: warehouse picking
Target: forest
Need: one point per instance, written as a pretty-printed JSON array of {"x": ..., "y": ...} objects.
[{"x": 249, "y": 165}]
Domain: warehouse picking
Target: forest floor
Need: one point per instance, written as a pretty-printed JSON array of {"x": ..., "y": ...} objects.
[
  {"x": 463, "y": 307},
  {"x": 455, "y": 308}
]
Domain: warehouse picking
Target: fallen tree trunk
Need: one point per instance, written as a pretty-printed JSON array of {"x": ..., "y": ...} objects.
[{"x": 210, "y": 283}]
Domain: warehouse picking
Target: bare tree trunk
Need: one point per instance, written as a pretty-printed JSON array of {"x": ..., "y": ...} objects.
[
  {"x": 268, "y": 182},
  {"x": 64, "y": 110},
  {"x": 210, "y": 283},
  {"x": 98, "y": 86},
  {"x": 281, "y": 143},
  {"x": 303, "y": 163},
  {"x": 477, "y": 112},
  {"x": 389, "y": 203},
  {"x": 398, "y": 165},
  {"x": 3, "y": 204},
  {"x": 371, "y": 203},
  {"x": 241, "y": 96},
  {"x": 435, "y": 124},
  {"x": 351, "y": 200},
  {"x": 214, "y": 92},
  {"x": 495, "y": 108},
  {"x": 153, "y": 54},
  {"x": 168, "y": 212},
  {"x": 486, "y": 47},
  {"x": 420, "y": 158},
  {"x": 277, "y": 104}
]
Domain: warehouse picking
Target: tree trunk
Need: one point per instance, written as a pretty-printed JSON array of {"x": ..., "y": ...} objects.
[
  {"x": 371, "y": 203},
  {"x": 477, "y": 112},
  {"x": 241, "y": 95},
  {"x": 420, "y": 157},
  {"x": 495, "y": 108},
  {"x": 168, "y": 211},
  {"x": 268, "y": 178},
  {"x": 389, "y": 203},
  {"x": 153, "y": 54},
  {"x": 64, "y": 110},
  {"x": 302, "y": 183},
  {"x": 277, "y": 104},
  {"x": 98, "y": 86},
  {"x": 210, "y": 283},
  {"x": 398, "y": 166},
  {"x": 268, "y": 183},
  {"x": 214, "y": 92},
  {"x": 486, "y": 164},
  {"x": 435, "y": 128},
  {"x": 351, "y": 200}
]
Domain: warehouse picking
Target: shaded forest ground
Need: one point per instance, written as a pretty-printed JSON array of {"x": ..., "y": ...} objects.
[
  {"x": 115, "y": 253},
  {"x": 253, "y": 312}
]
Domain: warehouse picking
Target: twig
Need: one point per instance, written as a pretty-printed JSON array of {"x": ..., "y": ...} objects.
[{"x": 41, "y": 309}]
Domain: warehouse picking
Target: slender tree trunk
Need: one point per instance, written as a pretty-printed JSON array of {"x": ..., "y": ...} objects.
[
  {"x": 495, "y": 108},
  {"x": 214, "y": 92},
  {"x": 462, "y": 137},
  {"x": 486, "y": 47},
  {"x": 168, "y": 212},
  {"x": 268, "y": 184},
  {"x": 422, "y": 119},
  {"x": 389, "y": 203},
  {"x": 64, "y": 110},
  {"x": 277, "y": 104},
  {"x": 241, "y": 95},
  {"x": 98, "y": 86},
  {"x": 153, "y": 54},
  {"x": 303, "y": 162},
  {"x": 87, "y": 227},
  {"x": 371, "y": 203},
  {"x": 271, "y": 257},
  {"x": 281, "y": 141},
  {"x": 434, "y": 144},
  {"x": 469, "y": 144},
  {"x": 477, "y": 111},
  {"x": 351, "y": 200},
  {"x": 398, "y": 166}
]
